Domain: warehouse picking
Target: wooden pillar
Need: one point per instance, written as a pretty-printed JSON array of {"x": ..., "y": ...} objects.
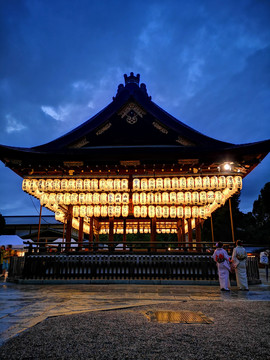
[
  {"x": 189, "y": 233},
  {"x": 183, "y": 234},
  {"x": 198, "y": 234},
  {"x": 111, "y": 224},
  {"x": 39, "y": 224},
  {"x": 230, "y": 206},
  {"x": 69, "y": 227},
  {"x": 153, "y": 234},
  {"x": 124, "y": 234},
  {"x": 179, "y": 233},
  {"x": 91, "y": 234},
  {"x": 80, "y": 237},
  {"x": 212, "y": 231}
]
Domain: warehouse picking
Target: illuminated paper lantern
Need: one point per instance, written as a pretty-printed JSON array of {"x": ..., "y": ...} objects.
[
  {"x": 67, "y": 198},
  {"x": 198, "y": 183},
  {"x": 137, "y": 211},
  {"x": 195, "y": 211},
  {"x": 222, "y": 182},
  {"x": 74, "y": 198},
  {"x": 206, "y": 182},
  {"x": 49, "y": 185},
  {"x": 159, "y": 211},
  {"x": 207, "y": 211},
  {"x": 150, "y": 198},
  {"x": 52, "y": 197},
  {"x": 125, "y": 210},
  {"x": 59, "y": 216},
  {"x": 210, "y": 197},
  {"x": 180, "y": 211},
  {"x": 41, "y": 184},
  {"x": 230, "y": 182},
  {"x": 111, "y": 198},
  {"x": 124, "y": 184},
  {"x": 118, "y": 198},
  {"x": 102, "y": 184},
  {"x": 144, "y": 184},
  {"x": 117, "y": 210},
  {"x": 125, "y": 198},
  {"x": 152, "y": 184},
  {"x": 136, "y": 184},
  {"x": 111, "y": 211},
  {"x": 94, "y": 184},
  {"x": 59, "y": 198},
  {"x": 82, "y": 211},
  {"x": 188, "y": 198},
  {"x": 218, "y": 197},
  {"x": 165, "y": 198},
  {"x": 71, "y": 185},
  {"x": 143, "y": 198},
  {"x": 89, "y": 198},
  {"x": 202, "y": 212},
  {"x": 180, "y": 196},
  {"x": 33, "y": 185},
  {"x": 187, "y": 212},
  {"x": 183, "y": 183},
  {"x": 87, "y": 184},
  {"x": 96, "y": 198},
  {"x": 79, "y": 184},
  {"x": 103, "y": 198},
  {"x": 103, "y": 211},
  {"x": 167, "y": 184},
  {"x": 173, "y": 198},
  {"x": 96, "y": 211},
  {"x": 151, "y": 211},
  {"x": 190, "y": 182},
  {"x": 90, "y": 211},
  {"x": 136, "y": 198},
  {"x": 203, "y": 197},
  {"x": 44, "y": 199},
  {"x": 143, "y": 211},
  {"x": 238, "y": 182},
  {"x": 214, "y": 182},
  {"x": 117, "y": 184},
  {"x": 82, "y": 198},
  {"x": 158, "y": 198},
  {"x": 159, "y": 184},
  {"x": 175, "y": 183},
  {"x": 195, "y": 197},
  {"x": 165, "y": 211},
  {"x": 173, "y": 211},
  {"x": 26, "y": 185},
  {"x": 110, "y": 184},
  {"x": 64, "y": 185},
  {"x": 56, "y": 185}
]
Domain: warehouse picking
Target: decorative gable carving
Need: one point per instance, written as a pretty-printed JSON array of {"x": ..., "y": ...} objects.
[{"x": 131, "y": 112}]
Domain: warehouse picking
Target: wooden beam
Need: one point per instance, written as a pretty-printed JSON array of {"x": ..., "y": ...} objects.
[
  {"x": 153, "y": 235},
  {"x": 189, "y": 231},
  {"x": 124, "y": 234},
  {"x": 69, "y": 227},
  {"x": 80, "y": 237},
  {"x": 91, "y": 234},
  {"x": 111, "y": 225}
]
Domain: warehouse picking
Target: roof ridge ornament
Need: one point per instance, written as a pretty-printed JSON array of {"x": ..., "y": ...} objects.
[
  {"x": 129, "y": 81},
  {"x": 132, "y": 79}
]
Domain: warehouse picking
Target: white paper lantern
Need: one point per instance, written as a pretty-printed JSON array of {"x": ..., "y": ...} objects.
[
  {"x": 183, "y": 183},
  {"x": 173, "y": 198},
  {"x": 143, "y": 211},
  {"x": 198, "y": 183},
  {"x": 136, "y": 184},
  {"x": 125, "y": 210},
  {"x": 195, "y": 211},
  {"x": 202, "y": 212},
  {"x": 82, "y": 198},
  {"x": 144, "y": 184},
  {"x": 117, "y": 210},
  {"x": 187, "y": 212},
  {"x": 102, "y": 185},
  {"x": 214, "y": 182},
  {"x": 152, "y": 184},
  {"x": 33, "y": 185},
  {"x": 206, "y": 182},
  {"x": 52, "y": 198},
  {"x": 26, "y": 185},
  {"x": 103, "y": 211},
  {"x": 159, "y": 211},
  {"x": 94, "y": 184},
  {"x": 158, "y": 198},
  {"x": 87, "y": 184},
  {"x": 238, "y": 182},
  {"x": 118, "y": 198},
  {"x": 190, "y": 183},
  {"x": 79, "y": 184},
  {"x": 230, "y": 182},
  {"x": 137, "y": 211},
  {"x": 74, "y": 199},
  {"x": 167, "y": 184},
  {"x": 150, "y": 198},
  {"x": 188, "y": 197},
  {"x": 165, "y": 198},
  {"x": 124, "y": 185},
  {"x": 210, "y": 197},
  {"x": 82, "y": 211},
  {"x": 49, "y": 185},
  {"x": 41, "y": 184},
  {"x": 175, "y": 183},
  {"x": 165, "y": 211},
  {"x": 151, "y": 211},
  {"x": 203, "y": 197},
  {"x": 180, "y": 196},
  {"x": 159, "y": 184},
  {"x": 218, "y": 197},
  {"x": 96, "y": 198},
  {"x": 103, "y": 198},
  {"x": 89, "y": 198},
  {"x": 180, "y": 211},
  {"x": 90, "y": 211},
  {"x": 117, "y": 184},
  {"x": 64, "y": 185},
  {"x": 125, "y": 198},
  {"x": 97, "y": 211},
  {"x": 143, "y": 198},
  {"x": 67, "y": 198},
  {"x": 71, "y": 185},
  {"x": 173, "y": 211},
  {"x": 195, "y": 197},
  {"x": 221, "y": 182},
  {"x": 136, "y": 198},
  {"x": 59, "y": 198},
  {"x": 110, "y": 184}
]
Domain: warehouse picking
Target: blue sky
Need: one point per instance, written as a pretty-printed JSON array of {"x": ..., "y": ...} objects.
[{"x": 205, "y": 62}]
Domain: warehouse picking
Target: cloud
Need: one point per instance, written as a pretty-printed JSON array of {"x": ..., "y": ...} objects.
[
  {"x": 13, "y": 125},
  {"x": 60, "y": 114}
]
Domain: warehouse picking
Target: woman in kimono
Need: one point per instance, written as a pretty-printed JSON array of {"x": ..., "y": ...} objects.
[
  {"x": 239, "y": 259},
  {"x": 222, "y": 260}
]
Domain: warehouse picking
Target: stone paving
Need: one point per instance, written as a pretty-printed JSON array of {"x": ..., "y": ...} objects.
[{"x": 23, "y": 306}]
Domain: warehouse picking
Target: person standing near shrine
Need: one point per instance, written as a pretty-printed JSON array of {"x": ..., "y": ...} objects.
[
  {"x": 6, "y": 261},
  {"x": 2, "y": 251},
  {"x": 222, "y": 260},
  {"x": 239, "y": 260}
]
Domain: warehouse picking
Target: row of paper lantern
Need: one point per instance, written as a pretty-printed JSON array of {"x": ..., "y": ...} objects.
[
  {"x": 142, "y": 198},
  {"x": 142, "y": 211},
  {"x": 144, "y": 184}
]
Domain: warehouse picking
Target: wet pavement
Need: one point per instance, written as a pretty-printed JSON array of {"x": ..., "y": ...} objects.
[{"x": 23, "y": 306}]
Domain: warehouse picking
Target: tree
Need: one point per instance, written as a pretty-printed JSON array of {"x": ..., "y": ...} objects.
[{"x": 2, "y": 224}]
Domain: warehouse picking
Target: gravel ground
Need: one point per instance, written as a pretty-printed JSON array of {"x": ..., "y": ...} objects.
[{"x": 240, "y": 330}]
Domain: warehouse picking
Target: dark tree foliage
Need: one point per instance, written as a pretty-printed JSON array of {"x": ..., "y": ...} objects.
[{"x": 2, "y": 224}]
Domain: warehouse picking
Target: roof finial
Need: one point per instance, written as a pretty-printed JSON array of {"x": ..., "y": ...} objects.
[{"x": 132, "y": 78}]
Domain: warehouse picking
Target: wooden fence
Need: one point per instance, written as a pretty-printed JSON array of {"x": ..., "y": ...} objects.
[{"x": 126, "y": 267}]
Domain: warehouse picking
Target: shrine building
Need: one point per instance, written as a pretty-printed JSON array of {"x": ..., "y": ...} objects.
[{"x": 132, "y": 169}]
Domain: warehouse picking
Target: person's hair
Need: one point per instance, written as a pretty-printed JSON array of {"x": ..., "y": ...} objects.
[
  {"x": 239, "y": 243},
  {"x": 219, "y": 244}
]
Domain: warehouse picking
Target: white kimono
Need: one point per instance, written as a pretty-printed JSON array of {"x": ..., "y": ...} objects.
[
  {"x": 239, "y": 258},
  {"x": 223, "y": 267}
]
